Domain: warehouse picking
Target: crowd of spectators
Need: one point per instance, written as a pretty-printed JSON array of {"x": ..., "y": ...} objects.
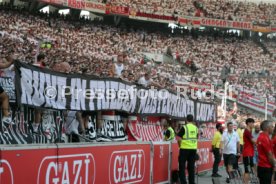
[
  {"x": 228, "y": 10},
  {"x": 270, "y": 44},
  {"x": 94, "y": 48},
  {"x": 166, "y": 7},
  {"x": 238, "y": 10}
]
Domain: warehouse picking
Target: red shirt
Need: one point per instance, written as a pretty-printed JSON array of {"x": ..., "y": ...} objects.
[
  {"x": 39, "y": 64},
  {"x": 248, "y": 148},
  {"x": 274, "y": 146},
  {"x": 264, "y": 146}
]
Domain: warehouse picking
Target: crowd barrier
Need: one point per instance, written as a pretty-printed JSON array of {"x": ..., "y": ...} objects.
[{"x": 125, "y": 162}]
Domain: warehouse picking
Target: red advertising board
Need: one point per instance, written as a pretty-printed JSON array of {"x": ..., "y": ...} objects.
[
  {"x": 145, "y": 130},
  {"x": 77, "y": 4},
  {"x": 6, "y": 172},
  {"x": 161, "y": 159},
  {"x": 192, "y": 21},
  {"x": 77, "y": 164},
  {"x": 175, "y": 153},
  {"x": 94, "y": 7},
  {"x": 114, "y": 163},
  {"x": 206, "y": 157},
  {"x": 58, "y": 2},
  {"x": 226, "y": 23},
  {"x": 24, "y": 164},
  {"x": 263, "y": 29},
  {"x": 118, "y": 10},
  {"x": 152, "y": 17},
  {"x": 273, "y": 29}
]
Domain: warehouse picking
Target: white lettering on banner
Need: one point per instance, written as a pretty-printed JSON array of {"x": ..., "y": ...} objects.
[
  {"x": 78, "y": 88},
  {"x": 127, "y": 166},
  {"x": 173, "y": 101},
  {"x": 26, "y": 79},
  {"x": 61, "y": 101},
  {"x": 100, "y": 94},
  {"x": 113, "y": 128},
  {"x": 42, "y": 89},
  {"x": 90, "y": 94},
  {"x": 6, "y": 172},
  {"x": 7, "y": 83},
  {"x": 111, "y": 94},
  {"x": 38, "y": 98},
  {"x": 143, "y": 100},
  {"x": 129, "y": 100},
  {"x": 205, "y": 112},
  {"x": 79, "y": 168},
  {"x": 46, "y": 79},
  {"x": 33, "y": 88}
]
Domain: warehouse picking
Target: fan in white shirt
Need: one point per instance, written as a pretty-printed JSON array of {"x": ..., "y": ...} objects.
[{"x": 118, "y": 67}]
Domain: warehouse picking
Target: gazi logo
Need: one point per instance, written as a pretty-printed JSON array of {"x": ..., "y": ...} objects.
[
  {"x": 6, "y": 174},
  {"x": 127, "y": 166},
  {"x": 79, "y": 168}
]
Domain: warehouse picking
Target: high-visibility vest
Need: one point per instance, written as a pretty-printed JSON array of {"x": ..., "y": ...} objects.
[
  {"x": 189, "y": 139},
  {"x": 172, "y": 134}
]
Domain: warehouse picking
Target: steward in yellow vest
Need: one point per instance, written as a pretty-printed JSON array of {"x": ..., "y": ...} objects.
[
  {"x": 169, "y": 134},
  {"x": 188, "y": 135},
  {"x": 169, "y": 131},
  {"x": 189, "y": 139}
]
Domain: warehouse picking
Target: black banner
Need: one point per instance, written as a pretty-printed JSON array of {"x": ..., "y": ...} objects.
[
  {"x": 205, "y": 112},
  {"x": 7, "y": 84},
  {"x": 47, "y": 89}
]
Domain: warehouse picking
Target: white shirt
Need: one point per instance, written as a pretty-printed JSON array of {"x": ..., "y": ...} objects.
[
  {"x": 230, "y": 142},
  {"x": 119, "y": 69},
  {"x": 71, "y": 125},
  {"x": 9, "y": 72},
  {"x": 144, "y": 82}
]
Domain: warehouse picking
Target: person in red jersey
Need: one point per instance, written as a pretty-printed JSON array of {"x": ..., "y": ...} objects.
[
  {"x": 248, "y": 151},
  {"x": 274, "y": 151},
  {"x": 40, "y": 61},
  {"x": 266, "y": 160},
  {"x": 273, "y": 140}
]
